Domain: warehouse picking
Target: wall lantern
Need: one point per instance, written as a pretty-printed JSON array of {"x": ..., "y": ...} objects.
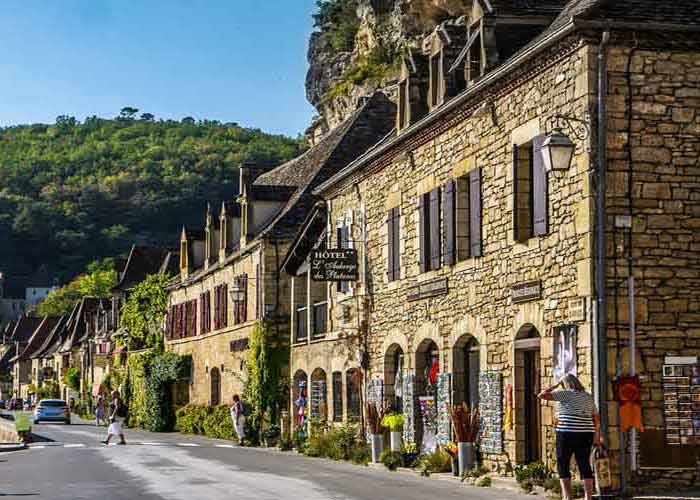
[
  {"x": 557, "y": 148},
  {"x": 557, "y": 151},
  {"x": 237, "y": 291}
]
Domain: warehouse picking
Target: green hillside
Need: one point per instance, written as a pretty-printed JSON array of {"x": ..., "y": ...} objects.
[{"x": 73, "y": 192}]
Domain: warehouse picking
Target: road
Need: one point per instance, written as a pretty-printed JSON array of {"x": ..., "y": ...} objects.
[{"x": 72, "y": 464}]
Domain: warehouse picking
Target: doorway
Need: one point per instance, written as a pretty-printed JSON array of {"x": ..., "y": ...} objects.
[
  {"x": 466, "y": 363},
  {"x": 527, "y": 386}
]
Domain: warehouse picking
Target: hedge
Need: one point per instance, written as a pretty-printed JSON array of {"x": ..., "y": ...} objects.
[{"x": 210, "y": 421}]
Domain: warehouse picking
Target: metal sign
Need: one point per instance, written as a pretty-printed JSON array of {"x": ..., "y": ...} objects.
[
  {"x": 525, "y": 292},
  {"x": 239, "y": 345},
  {"x": 337, "y": 264},
  {"x": 427, "y": 289}
]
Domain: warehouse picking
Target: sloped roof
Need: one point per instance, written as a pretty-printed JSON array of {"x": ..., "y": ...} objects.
[
  {"x": 24, "y": 328},
  {"x": 170, "y": 265},
  {"x": 524, "y": 7},
  {"x": 76, "y": 323},
  {"x": 38, "y": 338},
  {"x": 49, "y": 346},
  {"x": 7, "y": 331},
  {"x": 141, "y": 262},
  {"x": 368, "y": 124}
]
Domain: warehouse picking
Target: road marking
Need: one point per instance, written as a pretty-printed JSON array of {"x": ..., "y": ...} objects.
[
  {"x": 188, "y": 444},
  {"x": 225, "y": 446},
  {"x": 151, "y": 443},
  {"x": 41, "y": 447},
  {"x": 75, "y": 445}
]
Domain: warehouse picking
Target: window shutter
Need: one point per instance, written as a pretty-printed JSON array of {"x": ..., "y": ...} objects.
[
  {"x": 435, "y": 236},
  {"x": 390, "y": 241},
  {"x": 224, "y": 308},
  {"x": 450, "y": 232},
  {"x": 424, "y": 231},
  {"x": 540, "y": 202},
  {"x": 244, "y": 303},
  {"x": 516, "y": 161},
  {"x": 475, "y": 212},
  {"x": 397, "y": 243}
]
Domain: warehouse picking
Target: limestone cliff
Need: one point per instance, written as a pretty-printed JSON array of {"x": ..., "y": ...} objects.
[{"x": 340, "y": 74}]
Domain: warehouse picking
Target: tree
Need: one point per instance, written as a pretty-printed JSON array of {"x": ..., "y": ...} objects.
[
  {"x": 128, "y": 113},
  {"x": 147, "y": 117},
  {"x": 143, "y": 313}
]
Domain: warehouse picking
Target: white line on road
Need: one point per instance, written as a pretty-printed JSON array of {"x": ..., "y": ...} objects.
[
  {"x": 38, "y": 447},
  {"x": 151, "y": 443},
  {"x": 187, "y": 444},
  {"x": 225, "y": 446},
  {"x": 74, "y": 445}
]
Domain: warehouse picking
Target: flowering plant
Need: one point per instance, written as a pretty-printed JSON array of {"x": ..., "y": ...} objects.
[
  {"x": 394, "y": 422},
  {"x": 451, "y": 449}
]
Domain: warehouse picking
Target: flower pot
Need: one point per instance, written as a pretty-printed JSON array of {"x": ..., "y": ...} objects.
[
  {"x": 377, "y": 447},
  {"x": 466, "y": 454},
  {"x": 396, "y": 440}
]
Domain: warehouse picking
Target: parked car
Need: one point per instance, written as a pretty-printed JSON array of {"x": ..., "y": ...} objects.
[{"x": 52, "y": 410}]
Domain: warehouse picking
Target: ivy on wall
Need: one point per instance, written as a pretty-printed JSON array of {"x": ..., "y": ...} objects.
[
  {"x": 150, "y": 376},
  {"x": 143, "y": 313},
  {"x": 265, "y": 386}
]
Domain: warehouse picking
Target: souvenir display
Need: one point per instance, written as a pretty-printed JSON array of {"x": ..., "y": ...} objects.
[
  {"x": 428, "y": 411},
  {"x": 444, "y": 423},
  {"x": 491, "y": 410},
  {"x": 409, "y": 410},
  {"x": 682, "y": 404},
  {"x": 318, "y": 399},
  {"x": 564, "y": 351}
]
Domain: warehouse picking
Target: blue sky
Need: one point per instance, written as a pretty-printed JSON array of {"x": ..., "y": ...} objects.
[{"x": 230, "y": 60}]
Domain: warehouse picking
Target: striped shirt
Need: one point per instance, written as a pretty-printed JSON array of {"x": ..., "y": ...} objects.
[{"x": 574, "y": 411}]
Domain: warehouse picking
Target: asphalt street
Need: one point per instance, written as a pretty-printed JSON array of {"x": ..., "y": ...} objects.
[{"x": 72, "y": 464}]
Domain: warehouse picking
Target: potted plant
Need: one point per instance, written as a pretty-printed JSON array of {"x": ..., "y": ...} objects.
[
  {"x": 394, "y": 422},
  {"x": 466, "y": 426},
  {"x": 452, "y": 450},
  {"x": 374, "y": 424}
]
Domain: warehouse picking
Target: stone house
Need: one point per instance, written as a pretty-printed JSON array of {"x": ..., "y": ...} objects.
[
  {"x": 480, "y": 274},
  {"x": 43, "y": 357},
  {"x": 24, "y": 375},
  {"x": 230, "y": 271},
  {"x": 14, "y": 340}
]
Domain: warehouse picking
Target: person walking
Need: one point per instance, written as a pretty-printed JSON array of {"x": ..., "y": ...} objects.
[
  {"x": 99, "y": 411},
  {"x": 116, "y": 409},
  {"x": 577, "y": 429},
  {"x": 238, "y": 418}
]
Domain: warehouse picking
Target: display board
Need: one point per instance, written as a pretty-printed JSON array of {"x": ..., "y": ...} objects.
[
  {"x": 318, "y": 399},
  {"x": 491, "y": 411},
  {"x": 409, "y": 408},
  {"x": 375, "y": 392},
  {"x": 444, "y": 400},
  {"x": 681, "y": 385}
]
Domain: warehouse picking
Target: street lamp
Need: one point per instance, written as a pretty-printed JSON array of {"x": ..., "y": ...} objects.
[
  {"x": 557, "y": 151},
  {"x": 237, "y": 292}
]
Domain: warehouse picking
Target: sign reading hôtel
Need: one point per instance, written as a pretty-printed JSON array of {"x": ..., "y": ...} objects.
[{"x": 335, "y": 264}]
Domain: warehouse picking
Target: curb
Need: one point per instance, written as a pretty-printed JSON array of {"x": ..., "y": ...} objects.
[{"x": 12, "y": 447}]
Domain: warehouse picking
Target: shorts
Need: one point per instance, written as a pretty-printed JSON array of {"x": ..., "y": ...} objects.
[
  {"x": 115, "y": 427},
  {"x": 578, "y": 444}
]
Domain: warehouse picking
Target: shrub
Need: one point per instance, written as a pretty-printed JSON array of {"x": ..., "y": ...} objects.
[
  {"x": 552, "y": 484},
  {"x": 72, "y": 378},
  {"x": 210, "y": 421},
  {"x": 49, "y": 390},
  {"x": 483, "y": 482},
  {"x": 476, "y": 472},
  {"x": 536, "y": 472},
  {"x": 361, "y": 454},
  {"x": 439, "y": 461},
  {"x": 318, "y": 445},
  {"x": 190, "y": 419},
  {"x": 577, "y": 490},
  {"x": 527, "y": 486},
  {"x": 286, "y": 444},
  {"x": 343, "y": 440},
  {"x": 392, "y": 460}
]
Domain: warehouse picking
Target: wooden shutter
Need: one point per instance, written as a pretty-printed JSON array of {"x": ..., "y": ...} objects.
[
  {"x": 435, "y": 236},
  {"x": 390, "y": 247},
  {"x": 450, "y": 222},
  {"x": 540, "y": 195},
  {"x": 424, "y": 231},
  {"x": 397, "y": 243},
  {"x": 244, "y": 314},
  {"x": 207, "y": 298},
  {"x": 224, "y": 307},
  {"x": 516, "y": 162},
  {"x": 475, "y": 212}
]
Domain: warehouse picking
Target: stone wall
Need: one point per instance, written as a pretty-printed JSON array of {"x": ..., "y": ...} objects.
[
  {"x": 659, "y": 130},
  {"x": 478, "y": 302}
]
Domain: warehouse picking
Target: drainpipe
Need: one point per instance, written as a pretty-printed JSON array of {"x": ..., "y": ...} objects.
[{"x": 602, "y": 309}]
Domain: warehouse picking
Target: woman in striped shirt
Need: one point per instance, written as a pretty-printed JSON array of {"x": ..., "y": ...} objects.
[{"x": 578, "y": 429}]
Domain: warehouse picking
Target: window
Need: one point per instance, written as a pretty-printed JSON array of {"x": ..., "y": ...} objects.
[
  {"x": 337, "y": 397},
  {"x": 530, "y": 191},
  {"x": 475, "y": 66},
  {"x": 403, "y": 113},
  {"x": 429, "y": 230},
  {"x": 205, "y": 311},
  {"x": 190, "y": 308},
  {"x": 394, "y": 251},
  {"x": 320, "y": 316},
  {"x": 301, "y": 324},
  {"x": 240, "y": 305},
  {"x": 435, "y": 79},
  {"x": 215, "y": 396},
  {"x": 462, "y": 213}
]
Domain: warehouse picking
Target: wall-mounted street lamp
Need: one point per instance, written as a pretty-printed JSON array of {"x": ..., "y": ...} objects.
[
  {"x": 237, "y": 291},
  {"x": 557, "y": 149}
]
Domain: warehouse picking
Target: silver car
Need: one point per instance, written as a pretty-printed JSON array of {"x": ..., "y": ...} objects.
[{"x": 52, "y": 410}]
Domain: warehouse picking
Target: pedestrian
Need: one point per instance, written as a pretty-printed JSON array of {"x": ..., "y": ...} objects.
[
  {"x": 99, "y": 411},
  {"x": 577, "y": 429},
  {"x": 238, "y": 418},
  {"x": 116, "y": 409}
]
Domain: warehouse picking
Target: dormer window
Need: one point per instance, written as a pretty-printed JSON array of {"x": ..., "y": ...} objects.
[
  {"x": 475, "y": 57},
  {"x": 435, "y": 80},
  {"x": 404, "y": 100}
]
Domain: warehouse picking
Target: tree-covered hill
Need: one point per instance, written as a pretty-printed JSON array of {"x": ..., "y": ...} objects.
[{"x": 73, "y": 192}]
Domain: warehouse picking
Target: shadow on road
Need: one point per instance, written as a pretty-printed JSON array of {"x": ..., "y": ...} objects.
[{"x": 18, "y": 494}]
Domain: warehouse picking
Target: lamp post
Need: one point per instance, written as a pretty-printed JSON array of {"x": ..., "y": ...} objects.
[{"x": 557, "y": 148}]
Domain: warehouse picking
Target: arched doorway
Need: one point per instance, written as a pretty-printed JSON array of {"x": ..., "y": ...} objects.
[
  {"x": 393, "y": 376},
  {"x": 317, "y": 395},
  {"x": 215, "y": 386},
  {"x": 527, "y": 386},
  {"x": 466, "y": 364}
]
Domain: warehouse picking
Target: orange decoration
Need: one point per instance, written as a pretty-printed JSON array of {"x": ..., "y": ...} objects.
[{"x": 628, "y": 390}]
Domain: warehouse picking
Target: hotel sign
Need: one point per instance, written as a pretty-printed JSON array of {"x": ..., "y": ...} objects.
[
  {"x": 526, "y": 292},
  {"x": 338, "y": 264}
]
